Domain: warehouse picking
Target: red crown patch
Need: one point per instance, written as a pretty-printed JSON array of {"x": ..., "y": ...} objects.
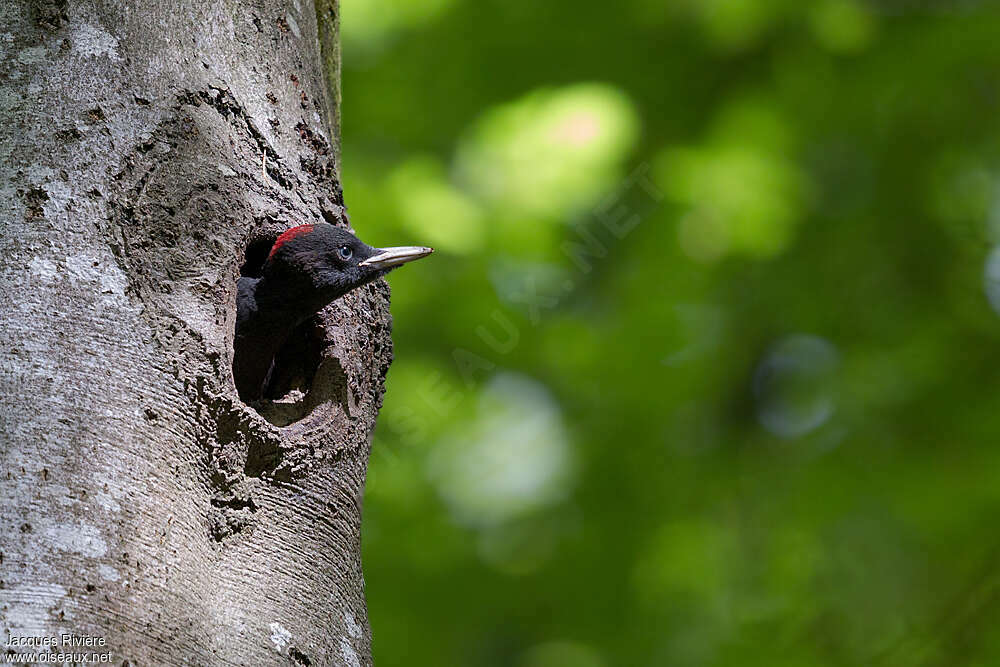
[{"x": 288, "y": 236}]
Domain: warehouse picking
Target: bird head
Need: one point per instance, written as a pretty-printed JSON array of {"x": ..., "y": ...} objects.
[{"x": 331, "y": 260}]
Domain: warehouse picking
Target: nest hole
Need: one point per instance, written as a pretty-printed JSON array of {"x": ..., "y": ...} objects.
[
  {"x": 296, "y": 363},
  {"x": 255, "y": 256},
  {"x": 286, "y": 396},
  {"x": 302, "y": 378}
]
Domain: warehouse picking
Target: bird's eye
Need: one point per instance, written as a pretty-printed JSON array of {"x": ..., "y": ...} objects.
[{"x": 346, "y": 252}]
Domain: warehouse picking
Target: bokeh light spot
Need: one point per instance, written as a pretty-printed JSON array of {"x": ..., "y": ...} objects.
[
  {"x": 550, "y": 153},
  {"x": 743, "y": 199},
  {"x": 579, "y": 130},
  {"x": 512, "y": 458},
  {"x": 739, "y": 191},
  {"x": 794, "y": 385}
]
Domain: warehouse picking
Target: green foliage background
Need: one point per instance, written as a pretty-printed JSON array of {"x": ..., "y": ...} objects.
[{"x": 761, "y": 429}]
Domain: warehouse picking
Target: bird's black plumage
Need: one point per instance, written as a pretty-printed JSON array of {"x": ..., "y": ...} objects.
[{"x": 308, "y": 267}]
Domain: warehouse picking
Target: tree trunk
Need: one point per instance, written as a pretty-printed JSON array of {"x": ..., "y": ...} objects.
[{"x": 149, "y": 151}]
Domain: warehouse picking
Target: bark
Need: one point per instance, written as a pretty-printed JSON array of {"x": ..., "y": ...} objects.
[{"x": 149, "y": 149}]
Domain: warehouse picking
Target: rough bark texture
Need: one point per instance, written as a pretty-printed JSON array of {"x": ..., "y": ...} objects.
[{"x": 145, "y": 146}]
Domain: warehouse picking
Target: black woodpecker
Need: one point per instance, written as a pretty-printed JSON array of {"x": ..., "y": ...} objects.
[{"x": 308, "y": 267}]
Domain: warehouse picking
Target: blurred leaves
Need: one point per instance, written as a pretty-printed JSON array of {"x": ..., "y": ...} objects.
[
  {"x": 703, "y": 371},
  {"x": 428, "y": 205},
  {"x": 551, "y": 153},
  {"x": 741, "y": 191},
  {"x": 842, "y": 25},
  {"x": 368, "y": 23},
  {"x": 514, "y": 458}
]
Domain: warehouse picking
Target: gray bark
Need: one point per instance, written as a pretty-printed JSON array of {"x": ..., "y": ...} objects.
[{"x": 144, "y": 145}]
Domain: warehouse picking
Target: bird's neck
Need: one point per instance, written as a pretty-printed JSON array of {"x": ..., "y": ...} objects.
[{"x": 287, "y": 302}]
